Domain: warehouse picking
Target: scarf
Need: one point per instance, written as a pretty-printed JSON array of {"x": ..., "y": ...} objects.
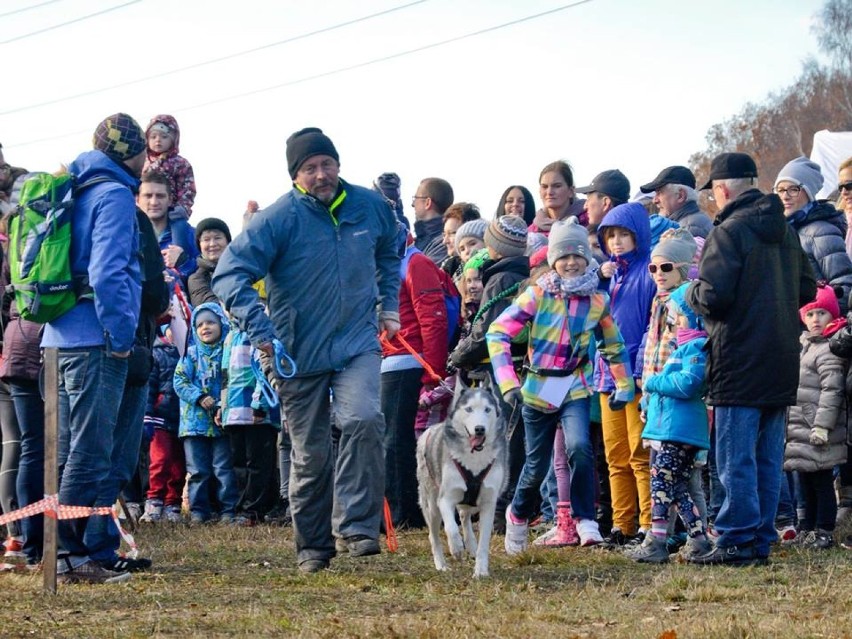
[
  {"x": 583, "y": 285},
  {"x": 685, "y": 335}
]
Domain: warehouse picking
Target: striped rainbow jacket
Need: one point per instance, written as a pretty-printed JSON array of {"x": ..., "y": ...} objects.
[{"x": 562, "y": 327}]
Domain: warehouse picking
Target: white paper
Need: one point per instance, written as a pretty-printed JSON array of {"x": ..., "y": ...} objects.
[{"x": 554, "y": 389}]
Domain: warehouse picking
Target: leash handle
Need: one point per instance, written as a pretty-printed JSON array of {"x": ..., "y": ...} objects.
[
  {"x": 383, "y": 338},
  {"x": 285, "y": 368}
]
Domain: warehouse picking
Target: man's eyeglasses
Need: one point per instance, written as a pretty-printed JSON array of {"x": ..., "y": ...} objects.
[
  {"x": 419, "y": 197},
  {"x": 792, "y": 191},
  {"x": 665, "y": 267},
  {"x": 846, "y": 186}
]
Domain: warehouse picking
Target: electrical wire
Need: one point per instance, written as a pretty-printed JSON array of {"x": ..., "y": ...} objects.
[
  {"x": 64, "y": 24},
  {"x": 22, "y": 9},
  {"x": 197, "y": 65}
]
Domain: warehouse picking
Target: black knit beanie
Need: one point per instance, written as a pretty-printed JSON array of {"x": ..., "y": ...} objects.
[
  {"x": 305, "y": 144},
  {"x": 211, "y": 224}
]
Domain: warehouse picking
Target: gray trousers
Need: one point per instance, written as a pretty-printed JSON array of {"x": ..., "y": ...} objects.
[{"x": 350, "y": 495}]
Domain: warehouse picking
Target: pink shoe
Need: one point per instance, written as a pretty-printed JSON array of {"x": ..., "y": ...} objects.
[{"x": 565, "y": 532}]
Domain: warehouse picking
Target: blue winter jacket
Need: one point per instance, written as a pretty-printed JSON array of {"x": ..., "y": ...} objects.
[
  {"x": 674, "y": 408},
  {"x": 163, "y": 408},
  {"x": 631, "y": 289},
  {"x": 326, "y": 268},
  {"x": 105, "y": 248},
  {"x": 180, "y": 233},
  {"x": 198, "y": 373},
  {"x": 659, "y": 225}
]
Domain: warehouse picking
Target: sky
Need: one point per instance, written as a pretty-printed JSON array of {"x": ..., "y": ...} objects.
[{"x": 426, "y": 88}]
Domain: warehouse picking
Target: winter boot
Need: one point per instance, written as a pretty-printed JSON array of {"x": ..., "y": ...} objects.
[{"x": 566, "y": 529}]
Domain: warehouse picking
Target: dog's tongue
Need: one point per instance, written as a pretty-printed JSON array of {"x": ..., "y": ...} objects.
[{"x": 477, "y": 442}]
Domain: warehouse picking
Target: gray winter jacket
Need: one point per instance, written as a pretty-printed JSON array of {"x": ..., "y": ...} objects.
[
  {"x": 820, "y": 403},
  {"x": 693, "y": 219}
]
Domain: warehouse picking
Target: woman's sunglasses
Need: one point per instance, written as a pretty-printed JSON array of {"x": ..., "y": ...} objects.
[{"x": 665, "y": 267}]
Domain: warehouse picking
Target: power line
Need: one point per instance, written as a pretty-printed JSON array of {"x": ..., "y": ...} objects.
[
  {"x": 214, "y": 60},
  {"x": 63, "y": 24},
  {"x": 337, "y": 71},
  {"x": 386, "y": 58},
  {"x": 22, "y": 9}
]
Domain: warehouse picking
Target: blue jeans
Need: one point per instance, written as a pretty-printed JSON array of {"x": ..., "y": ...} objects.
[
  {"x": 102, "y": 536},
  {"x": 347, "y": 495},
  {"x": 573, "y": 417},
  {"x": 786, "y": 515},
  {"x": 29, "y": 408},
  {"x": 749, "y": 456},
  {"x": 91, "y": 385},
  {"x": 206, "y": 458}
]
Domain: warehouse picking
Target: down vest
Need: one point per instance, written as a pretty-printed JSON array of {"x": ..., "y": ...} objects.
[
  {"x": 752, "y": 280},
  {"x": 821, "y": 403}
]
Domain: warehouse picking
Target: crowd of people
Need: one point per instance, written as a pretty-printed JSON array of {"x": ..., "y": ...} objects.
[{"x": 675, "y": 382}]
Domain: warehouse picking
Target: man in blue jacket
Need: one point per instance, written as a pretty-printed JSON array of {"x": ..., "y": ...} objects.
[
  {"x": 96, "y": 336},
  {"x": 328, "y": 252}
]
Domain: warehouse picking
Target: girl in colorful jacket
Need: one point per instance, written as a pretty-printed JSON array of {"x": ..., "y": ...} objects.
[
  {"x": 566, "y": 310},
  {"x": 676, "y": 428}
]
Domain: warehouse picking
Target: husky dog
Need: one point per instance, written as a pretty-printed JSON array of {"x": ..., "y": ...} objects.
[{"x": 462, "y": 465}]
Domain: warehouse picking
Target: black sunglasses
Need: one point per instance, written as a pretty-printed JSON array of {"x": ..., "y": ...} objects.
[
  {"x": 665, "y": 267},
  {"x": 846, "y": 186}
]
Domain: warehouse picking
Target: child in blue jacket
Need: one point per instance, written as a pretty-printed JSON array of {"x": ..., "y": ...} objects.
[
  {"x": 676, "y": 427},
  {"x": 198, "y": 383}
]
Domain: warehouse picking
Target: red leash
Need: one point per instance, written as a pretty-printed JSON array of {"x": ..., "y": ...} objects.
[{"x": 386, "y": 342}]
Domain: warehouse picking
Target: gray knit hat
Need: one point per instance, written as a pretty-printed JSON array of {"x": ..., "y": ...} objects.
[
  {"x": 802, "y": 172},
  {"x": 474, "y": 228},
  {"x": 567, "y": 237},
  {"x": 507, "y": 235},
  {"x": 678, "y": 246}
]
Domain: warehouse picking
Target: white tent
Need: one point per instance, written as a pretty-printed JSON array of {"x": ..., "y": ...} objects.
[{"x": 830, "y": 150}]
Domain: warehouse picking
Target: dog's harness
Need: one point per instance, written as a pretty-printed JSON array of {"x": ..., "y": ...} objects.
[{"x": 472, "y": 483}]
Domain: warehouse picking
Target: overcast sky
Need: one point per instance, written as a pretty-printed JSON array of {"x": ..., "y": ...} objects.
[{"x": 603, "y": 84}]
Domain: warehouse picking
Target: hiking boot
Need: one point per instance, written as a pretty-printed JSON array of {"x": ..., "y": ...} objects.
[
  {"x": 565, "y": 531},
  {"x": 91, "y": 573},
  {"x": 730, "y": 556},
  {"x": 589, "y": 533},
  {"x": 126, "y": 564},
  {"x": 695, "y": 547},
  {"x": 786, "y": 535},
  {"x": 14, "y": 548},
  {"x": 361, "y": 546},
  {"x": 172, "y": 514},
  {"x": 517, "y": 537},
  {"x": 651, "y": 551},
  {"x": 153, "y": 512},
  {"x": 313, "y": 565},
  {"x": 820, "y": 540}
]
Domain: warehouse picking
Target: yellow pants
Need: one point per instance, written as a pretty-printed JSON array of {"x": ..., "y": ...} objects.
[{"x": 629, "y": 465}]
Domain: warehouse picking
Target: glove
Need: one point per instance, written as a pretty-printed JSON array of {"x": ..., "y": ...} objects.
[
  {"x": 819, "y": 436},
  {"x": 615, "y": 403},
  {"x": 267, "y": 364},
  {"x": 513, "y": 397}
]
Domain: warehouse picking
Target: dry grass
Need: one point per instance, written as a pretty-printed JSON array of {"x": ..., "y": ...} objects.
[{"x": 215, "y": 581}]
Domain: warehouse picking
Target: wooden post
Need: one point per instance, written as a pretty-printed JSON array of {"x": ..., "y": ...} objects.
[{"x": 51, "y": 462}]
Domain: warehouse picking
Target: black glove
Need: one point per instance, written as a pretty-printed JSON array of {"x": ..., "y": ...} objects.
[
  {"x": 513, "y": 397},
  {"x": 615, "y": 404}
]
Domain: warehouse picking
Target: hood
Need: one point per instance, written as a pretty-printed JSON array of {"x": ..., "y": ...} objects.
[
  {"x": 660, "y": 225},
  {"x": 764, "y": 215},
  {"x": 634, "y": 217},
  {"x": 823, "y": 211},
  {"x": 97, "y": 164},
  {"x": 170, "y": 122},
  {"x": 226, "y": 326},
  {"x": 517, "y": 264}
]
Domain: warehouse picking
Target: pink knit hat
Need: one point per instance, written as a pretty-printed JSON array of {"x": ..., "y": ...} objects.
[{"x": 826, "y": 299}]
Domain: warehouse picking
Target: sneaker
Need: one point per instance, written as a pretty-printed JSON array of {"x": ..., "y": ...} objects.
[
  {"x": 172, "y": 514},
  {"x": 695, "y": 547},
  {"x": 135, "y": 509},
  {"x": 126, "y": 564},
  {"x": 615, "y": 540},
  {"x": 847, "y": 542},
  {"x": 786, "y": 535},
  {"x": 313, "y": 565},
  {"x": 730, "y": 556},
  {"x": 279, "y": 515},
  {"x": 197, "y": 519},
  {"x": 361, "y": 546},
  {"x": 517, "y": 536},
  {"x": 243, "y": 521},
  {"x": 805, "y": 538},
  {"x": 821, "y": 540},
  {"x": 340, "y": 545},
  {"x": 153, "y": 512},
  {"x": 634, "y": 541},
  {"x": 542, "y": 539},
  {"x": 651, "y": 551},
  {"x": 14, "y": 548},
  {"x": 590, "y": 534},
  {"x": 91, "y": 573},
  {"x": 226, "y": 519}
]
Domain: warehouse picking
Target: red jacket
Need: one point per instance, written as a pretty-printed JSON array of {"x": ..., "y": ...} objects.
[{"x": 422, "y": 315}]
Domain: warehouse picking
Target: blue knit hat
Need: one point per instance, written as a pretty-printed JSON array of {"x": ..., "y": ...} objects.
[{"x": 677, "y": 303}]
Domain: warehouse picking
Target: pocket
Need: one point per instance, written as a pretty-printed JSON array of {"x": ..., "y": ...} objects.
[{"x": 73, "y": 367}]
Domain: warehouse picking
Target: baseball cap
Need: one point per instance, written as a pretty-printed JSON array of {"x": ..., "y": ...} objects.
[
  {"x": 612, "y": 183},
  {"x": 670, "y": 175},
  {"x": 731, "y": 165}
]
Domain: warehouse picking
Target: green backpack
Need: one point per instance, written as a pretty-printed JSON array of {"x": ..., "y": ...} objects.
[{"x": 40, "y": 248}]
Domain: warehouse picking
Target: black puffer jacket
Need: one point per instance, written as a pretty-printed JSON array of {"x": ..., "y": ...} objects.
[
  {"x": 199, "y": 283},
  {"x": 752, "y": 279},
  {"x": 822, "y": 233},
  {"x": 497, "y": 277}
]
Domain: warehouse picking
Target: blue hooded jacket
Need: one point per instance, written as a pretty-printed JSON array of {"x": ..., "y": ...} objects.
[
  {"x": 631, "y": 289},
  {"x": 104, "y": 247},
  {"x": 199, "y": 372}
]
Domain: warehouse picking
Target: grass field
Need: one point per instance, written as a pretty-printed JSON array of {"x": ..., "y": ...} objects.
[{"x": 216, "y": 581}]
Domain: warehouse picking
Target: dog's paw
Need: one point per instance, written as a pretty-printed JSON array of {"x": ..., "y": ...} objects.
[
  {"x": 480, "y": 573},
  {"x": 442, "y": 567},
  {"x": 456, "y": 547}
]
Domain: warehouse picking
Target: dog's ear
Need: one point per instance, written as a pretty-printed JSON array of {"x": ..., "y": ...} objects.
[
  {"x": 492, "y": 389},
  {"x": 458, "y": 388}
]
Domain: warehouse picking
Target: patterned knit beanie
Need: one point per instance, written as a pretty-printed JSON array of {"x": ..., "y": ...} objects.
[
  {"x": 120, "y": 137},
  {"x": 507, "y": 235},
  {"x": 474, "y": 228}
]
